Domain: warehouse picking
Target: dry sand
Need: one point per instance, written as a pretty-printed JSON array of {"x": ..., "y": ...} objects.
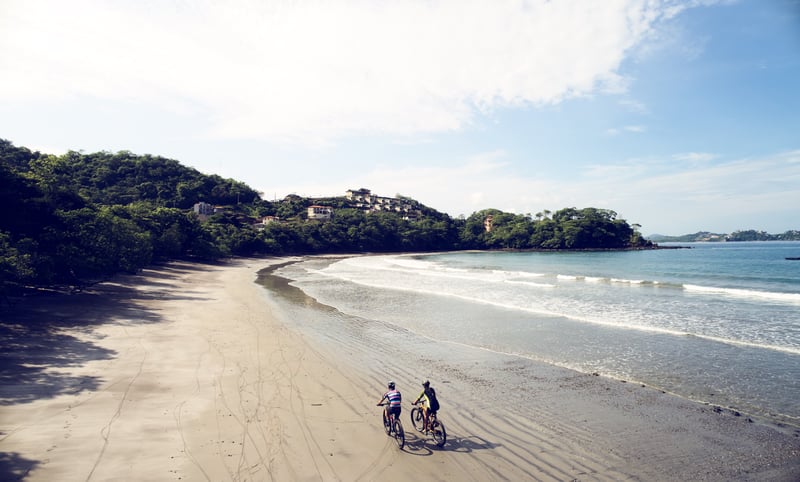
[{"x": 187, "y": 372}]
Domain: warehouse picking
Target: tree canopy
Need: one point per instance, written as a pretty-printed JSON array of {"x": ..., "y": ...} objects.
[{"x": 77, "y": 218}]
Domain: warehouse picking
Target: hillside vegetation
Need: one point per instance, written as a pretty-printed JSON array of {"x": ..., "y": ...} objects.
[{"x": 73, "y": 219}]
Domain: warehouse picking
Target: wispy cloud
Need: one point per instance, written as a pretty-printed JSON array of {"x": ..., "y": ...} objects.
[
  {"x": 313, "y": 71},
  {"x": 725, "y": 195},
  {"x": 695, "y": 156},
  {"x": 635, "y": 106},
  {"x": 615, "y": 131},
  {"x": 653, "y": 189}
]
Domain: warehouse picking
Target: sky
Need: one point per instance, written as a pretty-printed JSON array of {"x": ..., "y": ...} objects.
[{"x": 680, "y": 116}]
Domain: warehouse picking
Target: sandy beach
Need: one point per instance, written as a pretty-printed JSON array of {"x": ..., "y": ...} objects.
[{"x": 190, "y": 372}]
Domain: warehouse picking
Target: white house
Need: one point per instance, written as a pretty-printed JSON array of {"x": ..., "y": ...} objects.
[
  {"x": 204, "y": 208},
  {"x": 319, "y": 212}
]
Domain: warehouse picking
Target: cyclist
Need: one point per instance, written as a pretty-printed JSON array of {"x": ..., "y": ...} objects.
[
  {"x": 394, "y": 398},
  {"x": 429, "y": 402}
]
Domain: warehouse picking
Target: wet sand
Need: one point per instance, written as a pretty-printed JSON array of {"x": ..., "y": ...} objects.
[{"x": 194, "y": 372}]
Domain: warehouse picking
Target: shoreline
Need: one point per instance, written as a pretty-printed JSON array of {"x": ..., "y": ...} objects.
[
  {"x": 193, "y": 372},
  {"x": 780, "y": 422},
  {"x": 620, "y": 391},
  {"x": 781, "y": 415}
]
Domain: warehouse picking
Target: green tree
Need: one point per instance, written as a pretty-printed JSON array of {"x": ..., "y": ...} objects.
[{"x": 95, "y": 243}]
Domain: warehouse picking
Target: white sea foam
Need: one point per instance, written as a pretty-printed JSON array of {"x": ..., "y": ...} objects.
[
  {"x": 648, "y": 314},
  {"x": 529, "y": 283},
  {"x": 628, "y": 281},
  {"x": 483, "y": 297},
  {"x": 582, "y": 302},
  {"x": 409, "y": 263},
  {"x": 793, "y": 298},
  {"x": 517, "y": 274}
]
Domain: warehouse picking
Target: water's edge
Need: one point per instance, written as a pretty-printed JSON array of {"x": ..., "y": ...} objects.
[{"x": 282, "y": 287}]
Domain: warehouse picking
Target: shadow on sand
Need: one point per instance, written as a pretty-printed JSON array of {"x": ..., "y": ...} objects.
[
  {"x": 15, "y": 467},
  {"x": 44, "y": 333}
]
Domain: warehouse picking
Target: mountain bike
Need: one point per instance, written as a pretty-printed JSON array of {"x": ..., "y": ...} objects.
[
  {"x": 393, "y": 427},
  {"x": 435, "y": 426}
]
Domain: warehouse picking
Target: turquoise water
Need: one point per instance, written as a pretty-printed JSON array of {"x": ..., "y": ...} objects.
[{"x": 718, "y": 323}]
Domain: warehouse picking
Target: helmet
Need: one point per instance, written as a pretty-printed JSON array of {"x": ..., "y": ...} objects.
[
  {"x": 426, "y": 384},
  {"x": 391, "y": 385}
]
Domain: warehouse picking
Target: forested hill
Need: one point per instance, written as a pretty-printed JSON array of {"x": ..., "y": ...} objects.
[{"x": 76, "y": 218}]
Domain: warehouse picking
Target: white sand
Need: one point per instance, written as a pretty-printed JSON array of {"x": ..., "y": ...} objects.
[{"x": 185, "y": 373}]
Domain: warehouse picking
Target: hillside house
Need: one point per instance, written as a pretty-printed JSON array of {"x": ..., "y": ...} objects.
[
  {"x": 359, "y": 195},
  {"x": 319, "y": 212},
  {"x": 266, "y": 220},
  {"x": 364, "y": 199},
  {"x": 204, "y": 210}
]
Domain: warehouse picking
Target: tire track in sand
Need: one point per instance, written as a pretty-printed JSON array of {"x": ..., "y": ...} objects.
[{"x": 105, "y": 432}]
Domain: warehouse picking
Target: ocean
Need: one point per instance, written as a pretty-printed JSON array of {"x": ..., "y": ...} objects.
[{"x": 717, "y": 323}]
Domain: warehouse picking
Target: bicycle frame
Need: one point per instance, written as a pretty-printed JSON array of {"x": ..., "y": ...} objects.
[
  {"x": 393, "y": 427},
  {"x": 435, "y": 426}
]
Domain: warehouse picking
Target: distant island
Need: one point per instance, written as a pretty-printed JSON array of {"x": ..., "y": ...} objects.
[{"x": 743, "y": 235}]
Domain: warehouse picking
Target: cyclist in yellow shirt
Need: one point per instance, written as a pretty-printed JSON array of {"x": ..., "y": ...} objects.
[{"x": 429, "y": 402}]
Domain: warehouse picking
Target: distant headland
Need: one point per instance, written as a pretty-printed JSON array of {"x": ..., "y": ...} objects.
[{"x": 742, "y": 235}]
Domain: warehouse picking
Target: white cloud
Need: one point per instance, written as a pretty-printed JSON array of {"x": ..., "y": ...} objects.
[
  {"x": 482, "y": 181},
  {"x": 635, "y": 106},
  {"x": 695, "y": 156},
  {"x": 312, "y": 70},
  {"x": 733, "y": 194},
  {"x": 727, "y": 195},
  {"x": 615, "y": 131}
]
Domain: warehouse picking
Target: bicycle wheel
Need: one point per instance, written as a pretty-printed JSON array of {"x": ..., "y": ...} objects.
[
  {"x": 417, "y": 419},
  {"x": 399, "y": 434},
  {"x": 386, "y": 426},
  {"x": 439, "y": 433}
]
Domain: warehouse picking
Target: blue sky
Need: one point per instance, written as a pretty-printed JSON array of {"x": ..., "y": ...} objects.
[{"x": 679, "y": 115}]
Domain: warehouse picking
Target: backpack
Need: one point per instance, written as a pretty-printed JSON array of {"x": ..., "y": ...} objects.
[{"x": 431, "y": 394}]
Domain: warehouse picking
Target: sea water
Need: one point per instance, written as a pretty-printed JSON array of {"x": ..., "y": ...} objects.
[{"x": 714, "y": 322}]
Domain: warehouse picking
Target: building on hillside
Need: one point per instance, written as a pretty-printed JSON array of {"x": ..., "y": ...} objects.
[
  {"x": 203, "y": 208},
  {"x": 267, "y": 220},
  {"x": 366, "y": 201},
  {"x": 319, "y": 212},
  {"x": 488, "y": 223},
  {"x": 359, "y": 195}
]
